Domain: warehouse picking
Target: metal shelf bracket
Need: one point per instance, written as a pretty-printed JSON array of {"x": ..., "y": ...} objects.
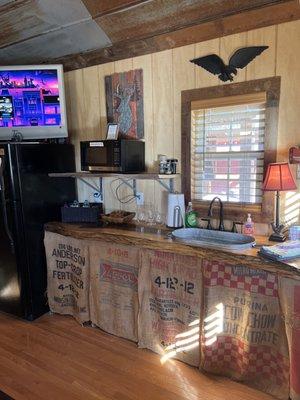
[
  {"x": 132, "y": 185},
  {"x": 169, "y": 187},
  {"x": 98, "y": 189}
]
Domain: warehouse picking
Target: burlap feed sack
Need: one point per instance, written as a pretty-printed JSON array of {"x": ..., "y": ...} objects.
[
  {"x": 68, "y": 276},
  {"x": 170, "y": 287},
  {"x": 114, "y": 288}
]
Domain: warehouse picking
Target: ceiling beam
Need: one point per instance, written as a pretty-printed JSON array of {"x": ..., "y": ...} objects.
[
  {"x": 99, "y": 8},
  {"x": 155, "y": 17},
  {"x": 241, "y": 22}
]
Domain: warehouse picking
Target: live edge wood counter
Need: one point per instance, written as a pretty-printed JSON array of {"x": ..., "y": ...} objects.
[{"x": 132, "y": 235}]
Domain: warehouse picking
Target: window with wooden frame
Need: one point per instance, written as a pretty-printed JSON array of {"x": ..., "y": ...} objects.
[{"x": 229, "y": 135}]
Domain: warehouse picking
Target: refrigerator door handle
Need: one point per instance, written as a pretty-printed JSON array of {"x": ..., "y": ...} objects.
[{"x": 2, "y": 190}]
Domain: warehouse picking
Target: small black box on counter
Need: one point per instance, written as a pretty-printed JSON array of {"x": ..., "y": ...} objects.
[{"x": 81, "y": 213}]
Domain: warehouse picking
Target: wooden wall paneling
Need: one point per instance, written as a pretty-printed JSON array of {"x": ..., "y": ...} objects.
[
  {"x": 203, "y": 31},
  {"x": 68, "y": 87},
  {"x": 228, "y": 45},
  {"x": 92, "y": 116},
  {"x": 91, "y": 96},
  {"x": 163, "y": 114},
  {"x": 123, "y": 66},
  {"x": 110, "y": 201},
  {"x": 203, "y": 77},
  {"x": 103, "y": 71},
  {"x": 75, "y": 111},
  {"x": 183, "y": 79},
  {"x": 288, "y": 67},
  {"x": 264, "y": 65},
  {"x": 161, "y": 79},
  {"x": 145, "y": 63}
]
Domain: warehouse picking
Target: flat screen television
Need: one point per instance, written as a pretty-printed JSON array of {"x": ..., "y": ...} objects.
[{"x": 32, "y": 102}]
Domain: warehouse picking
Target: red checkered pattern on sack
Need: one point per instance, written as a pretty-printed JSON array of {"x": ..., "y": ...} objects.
[
  {"x": 245, "y": 361},
  {"x": 220, "y": 274}
]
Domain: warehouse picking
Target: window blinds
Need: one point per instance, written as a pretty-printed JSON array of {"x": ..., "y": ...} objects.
[{"x": 228, "y": 152}]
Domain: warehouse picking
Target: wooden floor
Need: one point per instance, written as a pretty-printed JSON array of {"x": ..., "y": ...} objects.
[{"x": 55, "y": 358}]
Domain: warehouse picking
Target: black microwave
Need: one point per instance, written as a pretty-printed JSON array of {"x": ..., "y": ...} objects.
[{"x": 119, "y": 156}]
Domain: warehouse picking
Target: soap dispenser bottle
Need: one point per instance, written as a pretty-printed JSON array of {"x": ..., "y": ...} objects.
[
  {"x": 249, "y": 226},
  {"x": 190, "y": 216}
]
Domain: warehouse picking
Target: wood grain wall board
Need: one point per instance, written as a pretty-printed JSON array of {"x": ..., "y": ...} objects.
[
  {"x": 203, "y": 77},
  {"x": 125, "y": 191},
  {"x": 183, "y": 79},
  {"x": 278, "y": 13},
  {"x": 74, "y": 95},
  {"x": 77, "y": 128},
  {"x": 103, "y": 71},
  {"x": 163, "y": 113},
  {"x": 288, "y": 67},
  {"x": 110, "y": 202},
  {"x": 228, "y": 46},
  {"x": 145, "y": 63},
  {"x": 159, "y": 73},
  {"x": 91, "y": 98},
  {"x": 68, "y": 83},
  {"x": 262, "y": 66}
]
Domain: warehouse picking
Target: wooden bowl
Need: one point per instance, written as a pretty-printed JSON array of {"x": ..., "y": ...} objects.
[{"x": 115, "y": 219}]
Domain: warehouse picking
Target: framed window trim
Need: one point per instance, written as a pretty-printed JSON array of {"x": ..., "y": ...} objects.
[{"x": 263, "y": 212}]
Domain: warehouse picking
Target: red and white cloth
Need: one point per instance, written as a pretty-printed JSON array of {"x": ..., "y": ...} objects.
[
  {"x": 250, "y": 345},
  {"x": 290, "y": 303}
]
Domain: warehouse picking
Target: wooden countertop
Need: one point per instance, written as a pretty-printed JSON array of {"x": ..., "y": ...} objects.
[{"x": 151, "y": 238}]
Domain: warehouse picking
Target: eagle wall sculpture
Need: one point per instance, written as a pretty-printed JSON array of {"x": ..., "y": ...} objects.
[{"x": 240, "y": 58}]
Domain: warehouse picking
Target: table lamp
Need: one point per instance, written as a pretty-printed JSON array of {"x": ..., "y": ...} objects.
[{"x": 278, "y": 178}]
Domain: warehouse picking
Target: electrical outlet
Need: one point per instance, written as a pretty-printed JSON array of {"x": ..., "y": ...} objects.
[
  {"x": 97, "y": 197},
  {"x": 139, "y": 198}
]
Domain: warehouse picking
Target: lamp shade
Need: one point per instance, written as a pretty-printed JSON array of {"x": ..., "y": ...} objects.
[{"x": 279, "y": 177}]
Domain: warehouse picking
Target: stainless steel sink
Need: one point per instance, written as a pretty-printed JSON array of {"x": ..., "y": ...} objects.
[{"x": 213, "y": 239}]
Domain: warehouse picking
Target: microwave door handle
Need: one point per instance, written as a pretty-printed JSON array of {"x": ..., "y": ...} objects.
[{"x": 4, "y": 210}]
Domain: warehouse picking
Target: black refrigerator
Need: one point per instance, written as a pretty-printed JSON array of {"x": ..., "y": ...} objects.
[{"x": 28, "y": 199}]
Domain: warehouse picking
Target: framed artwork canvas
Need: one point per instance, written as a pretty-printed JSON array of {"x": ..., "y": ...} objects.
[{"x": 125, "y": 103}]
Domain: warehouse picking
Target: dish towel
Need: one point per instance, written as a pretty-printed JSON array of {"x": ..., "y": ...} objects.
[{"x": 282, "y": 251}]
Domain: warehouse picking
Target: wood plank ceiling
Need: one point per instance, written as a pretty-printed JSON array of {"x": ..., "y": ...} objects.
[{"x": 80, "y": 33}]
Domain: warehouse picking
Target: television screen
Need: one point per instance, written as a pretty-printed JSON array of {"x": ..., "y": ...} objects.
[{"x": 32, "y": 102}]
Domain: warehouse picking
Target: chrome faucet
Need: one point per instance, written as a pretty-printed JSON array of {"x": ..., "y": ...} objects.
[{"x": 221, "y": 214}]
